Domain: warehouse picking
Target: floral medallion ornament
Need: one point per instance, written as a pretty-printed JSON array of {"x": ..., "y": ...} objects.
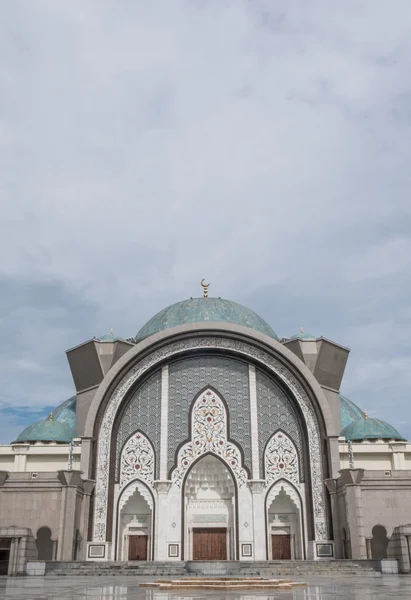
[
  {"x": 137, "y": 460},
  {"x": 209, "y": 434},
  {"x": 281, "y": 459}
]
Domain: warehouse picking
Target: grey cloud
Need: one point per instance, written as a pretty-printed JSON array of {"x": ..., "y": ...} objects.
[{"x": 132, "y": 163}]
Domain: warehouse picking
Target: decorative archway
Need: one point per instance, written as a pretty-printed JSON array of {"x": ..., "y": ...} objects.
[
  {"x": 243, "y": 348},
  {"x": 293, "y": 520},
  {"x": 209, "y": 435},
  {"x": 135, "y": 521},
  {"x": 210, "y": 510}
]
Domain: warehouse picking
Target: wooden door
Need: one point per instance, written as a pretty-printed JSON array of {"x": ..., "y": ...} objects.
[
  {"x": 281, "y": 545},
  {"x": 210, "y": 543},
  {"x": 137, "y": 547}
]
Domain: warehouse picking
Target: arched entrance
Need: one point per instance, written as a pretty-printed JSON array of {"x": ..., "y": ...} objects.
[
  {"x": 285, "y": 533},
  {"x": 135, "y": 523},
  {"x": 210, "y": 509}
]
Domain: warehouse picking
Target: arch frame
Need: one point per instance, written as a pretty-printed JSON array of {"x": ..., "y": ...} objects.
[
  {"x": 245, "y": 346},
  {"x": 297, "y": 499},
  {"x": 183, "y": 507},
  {"x": 123, "y": 496}
]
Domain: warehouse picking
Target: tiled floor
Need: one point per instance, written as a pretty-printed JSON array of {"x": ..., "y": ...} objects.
[{"x": 124, "y": 588}]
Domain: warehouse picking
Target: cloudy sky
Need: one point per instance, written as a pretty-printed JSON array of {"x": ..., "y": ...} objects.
[{"x": 264, "y": 145}]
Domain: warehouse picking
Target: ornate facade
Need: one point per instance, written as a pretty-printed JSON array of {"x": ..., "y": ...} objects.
[{"x": 202, "y": 438}]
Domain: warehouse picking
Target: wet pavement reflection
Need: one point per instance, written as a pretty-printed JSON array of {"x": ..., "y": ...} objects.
[{"x": 124, "y": 588}]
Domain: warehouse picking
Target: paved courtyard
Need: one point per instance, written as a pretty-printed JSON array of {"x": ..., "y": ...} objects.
[{"x": 124, "y": 588}]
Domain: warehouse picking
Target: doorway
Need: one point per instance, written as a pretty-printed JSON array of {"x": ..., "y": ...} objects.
[
  {"x": 281, "y": 546},
  {"x": 5, "y": 544},
  {"x": 210, "y": 543},
  {"x": 210, "y": 506},
  {"x": 137, "y": 547}
]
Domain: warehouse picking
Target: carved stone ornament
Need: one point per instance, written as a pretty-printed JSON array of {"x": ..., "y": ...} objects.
[
  {"x": 257, "y": 486},
  {"x": 209, "y": 434},
  {"x": 162, "y": 487},
  {"x": 137, "y": 460},
  {"x": 207, "y": 342},
  {"x": 281, "y": 460},
  {"x": 288, "y": 489}
]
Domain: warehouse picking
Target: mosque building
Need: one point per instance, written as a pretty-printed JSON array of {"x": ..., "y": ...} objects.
[{"x": 205, "y": 437}]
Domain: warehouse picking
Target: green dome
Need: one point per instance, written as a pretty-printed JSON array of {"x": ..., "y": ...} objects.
[
  {"x": 303, "y": 336},
  {"x": 370, "y": 429},
  {"x": 61, "y": 427},
  {"x": 201, "y": 310},
  {"x": 349, "y": 412},
  {"x": 356, "y": 427},
  {"x": 110, "y": 337},
  {"x": 45, "y": 431}
]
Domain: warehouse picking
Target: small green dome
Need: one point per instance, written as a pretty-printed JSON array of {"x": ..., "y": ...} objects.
[
  {"x": 110, "y": 337},
  {"x": 46, "y": 431},
  {"x": 303, "y": 336},
  {"x": 201, "y": 310},
  {"x": 369, "y": 429},
  {"x": 61, "y": 427}
]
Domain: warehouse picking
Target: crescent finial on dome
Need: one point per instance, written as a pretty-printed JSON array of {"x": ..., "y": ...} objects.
[{"x": 205, "y": 286}]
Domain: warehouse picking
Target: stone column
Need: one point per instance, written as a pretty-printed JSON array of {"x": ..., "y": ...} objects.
[
  {"x": 86, "y": 454},
  {"x": 88, "y": 487},
  {"x": 20, "y": 457},
  {"x": 257, "y": 490},
  {"x": 160, "y": 542},
  {"x": 351, "y": 479},
  {"x": 398, "y": 449},
  {"x": 70, "y": 482},
  {"x": 331, "y": 485}
]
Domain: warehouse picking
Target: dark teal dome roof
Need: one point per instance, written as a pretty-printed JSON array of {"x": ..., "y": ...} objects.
[
  {"x": 201, "y": 310},
  {"x": 356, "y": 427},
  {"x": 59, "y": 427},
  {"x": 110, "y": 337}
]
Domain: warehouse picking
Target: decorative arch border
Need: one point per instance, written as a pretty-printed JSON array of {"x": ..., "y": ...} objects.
[
  {"x": 289, "y": 489},
  {"x": 129, "y": 491},
  {"x": 281, "y": 459},
  {"x": 209, "y": 435},
  {"x": 123, "y": 497},
  {"x": 293, "y": 494},
  {"x": 220, "y": 343}
]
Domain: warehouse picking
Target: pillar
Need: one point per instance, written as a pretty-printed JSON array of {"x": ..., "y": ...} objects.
[
  {"x": 70, "y": 481},
  {"x": 257, "y": 488},
  {"x": 160, "y": 541},
  {"x": 351, "y": 479},
  {"x": 331, "y": 485}
]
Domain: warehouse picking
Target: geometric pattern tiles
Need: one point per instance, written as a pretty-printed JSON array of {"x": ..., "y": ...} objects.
[
  {"x": 276, "y": 411},
  {"x": 187, "y": 377},
  {"x": 142, "y": 413}
]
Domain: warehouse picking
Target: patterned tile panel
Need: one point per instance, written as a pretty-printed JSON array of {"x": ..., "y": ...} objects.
[
  {"x": 187, "y": 377},
  {"x": 276, "y": 411},
  {"x": 142, "y": 413}
]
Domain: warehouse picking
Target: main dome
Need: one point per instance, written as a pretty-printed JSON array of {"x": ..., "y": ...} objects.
[{"x": 202, "y": 310}]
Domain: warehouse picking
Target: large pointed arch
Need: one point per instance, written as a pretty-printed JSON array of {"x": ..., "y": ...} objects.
[
  {"x": 209, "y": 435},
  {"x": 273, "y": 356}
]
